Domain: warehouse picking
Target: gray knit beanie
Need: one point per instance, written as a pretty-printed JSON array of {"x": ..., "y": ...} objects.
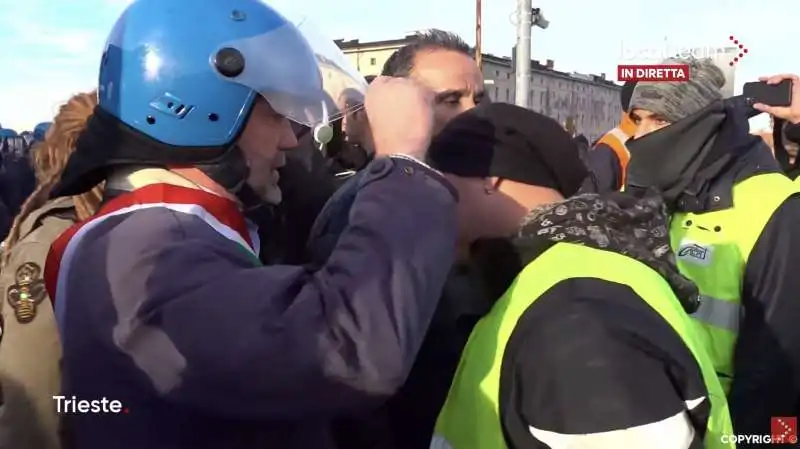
[{"x": 676, "y": 100}]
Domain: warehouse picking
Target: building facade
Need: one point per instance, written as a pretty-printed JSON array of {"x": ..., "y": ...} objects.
[{"x": 584, "y": 104}]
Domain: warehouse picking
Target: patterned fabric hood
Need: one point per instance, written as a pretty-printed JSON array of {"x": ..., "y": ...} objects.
[{"x": 635, "y": 227}]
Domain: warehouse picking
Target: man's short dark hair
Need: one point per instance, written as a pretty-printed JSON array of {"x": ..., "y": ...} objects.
[
  {"x": 625, "y": 94},
  {"x": 401, "y": 62}
]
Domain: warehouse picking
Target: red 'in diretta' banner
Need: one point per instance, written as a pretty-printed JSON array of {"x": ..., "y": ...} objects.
[{"x": 653, "y": 73}]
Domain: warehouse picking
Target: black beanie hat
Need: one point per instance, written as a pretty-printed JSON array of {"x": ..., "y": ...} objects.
[{"x": 509, "y": 142}]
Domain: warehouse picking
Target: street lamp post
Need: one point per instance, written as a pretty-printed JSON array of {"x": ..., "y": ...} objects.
[
  {"x": 478, "y": 46},
  {"x": 527, "y": 18}
]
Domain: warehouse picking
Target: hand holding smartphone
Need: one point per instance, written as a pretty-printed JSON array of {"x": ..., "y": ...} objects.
[
  {"x": 769, "y": 94},
  {"x": 778, "y": 96}
]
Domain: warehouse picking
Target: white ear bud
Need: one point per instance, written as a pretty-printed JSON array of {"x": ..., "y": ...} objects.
[{"x": 323, "y": 133}]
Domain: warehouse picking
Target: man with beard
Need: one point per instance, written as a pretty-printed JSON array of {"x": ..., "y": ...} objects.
[{"x": 734, "y": 229}]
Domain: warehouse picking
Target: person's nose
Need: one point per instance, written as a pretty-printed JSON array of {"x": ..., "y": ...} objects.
[{"x": 467, "y": 103}]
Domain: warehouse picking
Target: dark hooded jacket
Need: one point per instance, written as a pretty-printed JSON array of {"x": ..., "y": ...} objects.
[{"x": 695, "y": 163}]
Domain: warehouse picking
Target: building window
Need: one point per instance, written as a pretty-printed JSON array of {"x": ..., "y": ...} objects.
[
  {"x": 497, "y": 73},
  {"x": 508, "y": 75},
  {"x": 373, "y": 61},
  {"x": 496, "y": 93},
  {"x": 541, "y": 97},
  {"x": 508, "y": 95}
]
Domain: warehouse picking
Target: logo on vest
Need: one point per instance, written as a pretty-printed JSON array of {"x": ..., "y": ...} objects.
[{"x": 695, "y": 253}]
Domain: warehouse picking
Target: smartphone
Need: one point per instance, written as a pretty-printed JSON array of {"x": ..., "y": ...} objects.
[{"x": 769, "y": 94}]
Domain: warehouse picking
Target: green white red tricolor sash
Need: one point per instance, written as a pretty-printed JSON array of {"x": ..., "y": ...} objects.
[{"x": 222, "y": 214}]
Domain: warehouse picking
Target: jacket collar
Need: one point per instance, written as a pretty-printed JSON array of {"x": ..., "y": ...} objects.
[
  {"x": 55, "y": 206},
  {"x": 710, "y": 195},
  {"x": 696, "y": 161}
]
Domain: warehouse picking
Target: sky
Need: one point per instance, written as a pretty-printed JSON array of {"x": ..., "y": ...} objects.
[{"x": 52, "y": 48}]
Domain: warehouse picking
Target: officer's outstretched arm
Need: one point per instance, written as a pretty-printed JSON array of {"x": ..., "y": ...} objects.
[{"x": 286, "y": 342}]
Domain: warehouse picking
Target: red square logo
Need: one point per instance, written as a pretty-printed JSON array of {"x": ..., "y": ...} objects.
[{"x": 783, "y": 429}]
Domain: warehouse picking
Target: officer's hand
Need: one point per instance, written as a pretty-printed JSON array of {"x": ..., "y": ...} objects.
[
  {"x": 789, "y": 113},
  {"x": 400, "y": 114}
]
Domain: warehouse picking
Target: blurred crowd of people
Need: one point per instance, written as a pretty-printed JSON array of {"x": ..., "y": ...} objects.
[
  {"x": 17, "y": 179},
  {"x": 238, "y": 252}
]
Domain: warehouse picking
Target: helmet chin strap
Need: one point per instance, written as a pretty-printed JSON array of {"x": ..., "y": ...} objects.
[{"x": 231, "y": 172}]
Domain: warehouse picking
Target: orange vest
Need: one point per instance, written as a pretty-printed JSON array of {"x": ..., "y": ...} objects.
[{"x": 616, "y": 139}]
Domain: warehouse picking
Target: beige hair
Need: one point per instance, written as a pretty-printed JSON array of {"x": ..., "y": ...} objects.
[{"x": 49, "y": 159}]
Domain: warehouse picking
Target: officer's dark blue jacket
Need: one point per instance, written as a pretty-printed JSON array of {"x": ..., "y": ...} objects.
[{"x": 208, "y": 349}]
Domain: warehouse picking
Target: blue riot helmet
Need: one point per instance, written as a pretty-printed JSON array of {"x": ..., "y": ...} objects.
[
  {"x": 8, "y": 133},
  {"x": 179, "y": 78},
  {"x": 191, "y": 86},
  {"x": 40, "y": 131}
]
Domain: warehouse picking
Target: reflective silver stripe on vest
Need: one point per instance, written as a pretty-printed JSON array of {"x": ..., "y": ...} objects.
[
  {"x": 719, "y": 313},
  {"x": 621, "y": 136}
]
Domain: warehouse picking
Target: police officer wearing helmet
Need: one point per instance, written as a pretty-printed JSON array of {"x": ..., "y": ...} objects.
[
  {"x": 40, "y": 131},
  {"x": 161, "y": 300}
]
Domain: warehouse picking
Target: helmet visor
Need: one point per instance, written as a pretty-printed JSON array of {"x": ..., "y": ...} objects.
[{"x": 303, "y": 75}]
